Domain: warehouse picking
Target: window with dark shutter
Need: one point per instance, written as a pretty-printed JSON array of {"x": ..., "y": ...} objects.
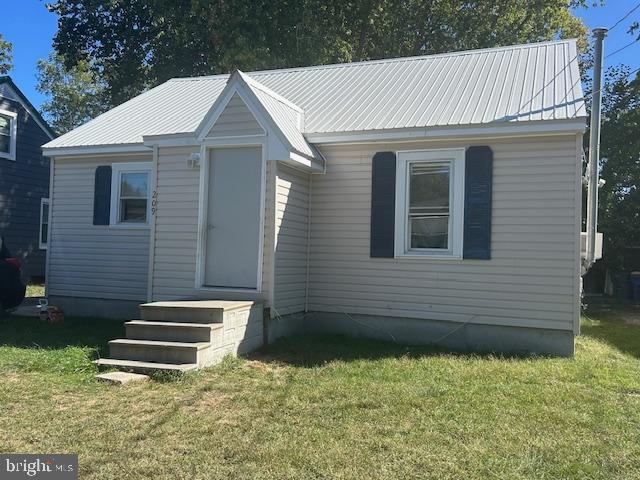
[
  {"x": 477, "y": 209},
  {"x": 383, "y": 198},
  {"x": 102, "y": 196}
]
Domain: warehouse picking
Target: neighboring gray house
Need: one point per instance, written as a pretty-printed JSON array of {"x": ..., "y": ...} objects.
[
  {"x": 24, "y": 179},
  {"x": 431, "y": 199}
]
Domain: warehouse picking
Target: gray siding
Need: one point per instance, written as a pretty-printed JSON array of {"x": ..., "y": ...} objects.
[
  {"x": 176, "y": 229},
  {"x": 86, "y": 260},
  {"x": 530, "y": 280},
  {"x": 23, "y": 183},
  {"x": 292, "y": 221},
  {"x": 236, "y": 119}
]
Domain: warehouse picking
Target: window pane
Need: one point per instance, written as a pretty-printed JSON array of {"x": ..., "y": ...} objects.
[
  {"x": 45, "y": 213},
  {"x": 429, "y": 232},
  {"x": 133, "y": 210},
  {"x": 429, "y": 188},
  {"x": 133, "y": 185},
  {"x": 5, "y": 144},
  {"x": 5, "y": 125},
  {"x": 45, "y": 234}
]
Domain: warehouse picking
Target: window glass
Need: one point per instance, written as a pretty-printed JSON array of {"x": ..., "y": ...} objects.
[
  {"x": 134, "y": 187},
  {"x": 44, "y": 223},
  {"x": 429, "y": 193},
  {"x": 5, "y": 134}
]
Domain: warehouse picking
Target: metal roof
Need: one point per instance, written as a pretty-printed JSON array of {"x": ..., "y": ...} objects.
[{"x": 521, "y": 83}]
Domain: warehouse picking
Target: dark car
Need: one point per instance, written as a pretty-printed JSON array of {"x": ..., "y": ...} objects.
[{"x": 12, "y": 289}]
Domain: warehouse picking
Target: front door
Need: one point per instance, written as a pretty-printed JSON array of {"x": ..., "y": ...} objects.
[{"x": 233, "y": 217}]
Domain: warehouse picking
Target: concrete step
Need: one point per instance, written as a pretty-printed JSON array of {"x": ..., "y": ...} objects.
[
  {"x": 156, "y": 350},
  {"x": 145, "y": 367},
  {"x": 171, "y": 331},
  {"x": 191, "y": 311}
]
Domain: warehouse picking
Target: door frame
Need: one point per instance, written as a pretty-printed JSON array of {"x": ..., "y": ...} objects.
[{"x": 203, "y": 203}]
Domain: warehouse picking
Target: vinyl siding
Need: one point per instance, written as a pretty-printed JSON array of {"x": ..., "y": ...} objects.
[
  {"x": 176, "y": 228},
  {"x": 23, "y": 183},
  {"x": 292, "y": 217},
  {"x": 86, "y": 260},
  {"x": 236, "y": 119},
  {"x": 530, "y": 280}
]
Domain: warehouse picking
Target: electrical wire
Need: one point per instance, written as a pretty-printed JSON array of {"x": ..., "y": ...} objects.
[
  {"x": 622, "y": 48},
  {"x": 625, "y": 17}
]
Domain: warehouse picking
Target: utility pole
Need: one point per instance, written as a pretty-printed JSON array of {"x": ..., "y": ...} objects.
[{"x": 594, "y": 147}]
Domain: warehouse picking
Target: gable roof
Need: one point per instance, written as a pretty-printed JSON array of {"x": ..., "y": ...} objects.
[
  {"x": 286, "y": 118},
  {"x": 6, "y": 80},
  {"x": 521, "y": 83}
]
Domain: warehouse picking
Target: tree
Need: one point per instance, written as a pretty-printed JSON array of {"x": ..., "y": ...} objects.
[
  {"x": 619, "y": 201},
  {"x": 6, "y": 56},
  {"x": 136, "y": 44},
  {"x": 75, "y": 94}
]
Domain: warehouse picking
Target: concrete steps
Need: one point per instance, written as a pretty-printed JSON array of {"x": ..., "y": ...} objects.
[
  {"x": 146, "y": 367},
  {"x": 183, "y": 336},
  {"x": 171, "y": 331}
]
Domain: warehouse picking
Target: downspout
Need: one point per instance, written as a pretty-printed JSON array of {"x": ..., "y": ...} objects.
[
  {"x": 308, "y": 272},
  {"x": 594, "y": 149}
]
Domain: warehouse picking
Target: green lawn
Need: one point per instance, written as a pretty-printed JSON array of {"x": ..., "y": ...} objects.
[{"x": 329, "y": 407}]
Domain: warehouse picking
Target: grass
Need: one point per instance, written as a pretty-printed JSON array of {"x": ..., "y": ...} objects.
[
  {"x": 35, "y": 290},
  {"x": 330, "y": 407}
]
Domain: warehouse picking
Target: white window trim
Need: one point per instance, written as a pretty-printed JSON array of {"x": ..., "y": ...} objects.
[
  {"x": 456, "y": 220},
  {"x": 13, "y": 132},
  {"x": 116, "y": 170},
  {"x": 43, "y": 246}
]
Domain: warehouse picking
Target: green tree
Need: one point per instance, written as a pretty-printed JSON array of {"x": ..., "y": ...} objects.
[
  {"x": 619, "y": 201},
  {"x": 75, "y": 95},
  {"x": 6, "y": 56},
  {"x": 136, "y": 44}
]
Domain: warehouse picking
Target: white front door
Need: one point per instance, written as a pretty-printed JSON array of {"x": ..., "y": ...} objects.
[{"x": 233, "y": 217}]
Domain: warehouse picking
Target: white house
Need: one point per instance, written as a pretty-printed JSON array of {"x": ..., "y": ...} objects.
[{"x": 431, "y": 199}]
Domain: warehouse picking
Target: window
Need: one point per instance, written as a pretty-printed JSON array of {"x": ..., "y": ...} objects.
[
  {"x": 130, "y": 194},
  {"x": 44, "y": 223},
  {"x": 8, "y": 127},
  {"x": 429, "y": 203}
]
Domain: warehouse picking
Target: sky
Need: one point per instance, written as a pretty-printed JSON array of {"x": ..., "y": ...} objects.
[{"x": 30, "y": 27}]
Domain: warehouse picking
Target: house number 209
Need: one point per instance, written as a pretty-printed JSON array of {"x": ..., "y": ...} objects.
[{"x": 154, "y": 203}]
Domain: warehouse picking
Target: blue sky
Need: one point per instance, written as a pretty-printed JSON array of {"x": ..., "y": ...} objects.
[{"x": 30, "y": 27}]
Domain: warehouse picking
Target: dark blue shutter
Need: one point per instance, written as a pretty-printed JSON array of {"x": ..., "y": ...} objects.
[
  {"x": 102, "y": 196},
  {"x": 383, "y": 204},
  {"x": 477, "y": 203}
]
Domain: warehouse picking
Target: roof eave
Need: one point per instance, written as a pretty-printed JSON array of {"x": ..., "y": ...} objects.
[{"x": 505, "y": 129}]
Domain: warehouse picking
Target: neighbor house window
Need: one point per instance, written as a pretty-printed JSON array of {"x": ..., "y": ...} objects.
[
  {"x": 8, "y": 130},
  {"x": 44, "y": 222},
  {"x": 130, "y": 192},
  {"x": 429, "y": 203}
]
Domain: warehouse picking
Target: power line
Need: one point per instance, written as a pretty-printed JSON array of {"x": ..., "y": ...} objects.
[
  {"x": 622, "y": 48},
  {"x": 627, "y": 15}
]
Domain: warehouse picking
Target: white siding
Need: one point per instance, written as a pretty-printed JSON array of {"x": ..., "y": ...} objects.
[
  {"x": 236, "y": 119},
  {"x": 530, "y": 280},
  {"x": 174, "y": 269},
  {"x": 86, "y": 260},
  {"x": 292, "y": 216}
]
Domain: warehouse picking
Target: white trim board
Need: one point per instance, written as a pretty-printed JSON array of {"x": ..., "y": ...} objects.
[{"x": 13, "y": 135}]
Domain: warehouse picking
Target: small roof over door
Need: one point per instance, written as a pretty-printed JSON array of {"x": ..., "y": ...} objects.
[{"x": 247, "y": 108}]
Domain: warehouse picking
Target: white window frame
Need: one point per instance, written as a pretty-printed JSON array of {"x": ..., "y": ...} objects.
[
  {"x": 117, "y": 169},
  {"x": 455, "y": 157},
  {"x": 13, "y": 132},
  {"x": 43, "y": 202}
]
